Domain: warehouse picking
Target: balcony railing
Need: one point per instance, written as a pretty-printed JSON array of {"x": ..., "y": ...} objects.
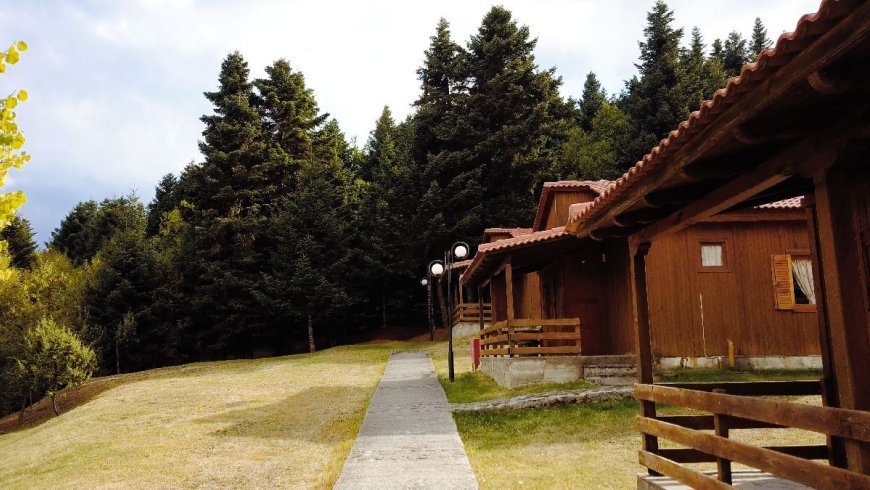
[
  {"x": 470, "y": 312},
  {"x": 733, "y": 406},
  {"x": 531, "y": 337}
]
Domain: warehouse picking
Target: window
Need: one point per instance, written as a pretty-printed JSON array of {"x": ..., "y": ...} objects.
[
  {"x": 793, "y": 281},
  {"x": 713, "y": 256}
]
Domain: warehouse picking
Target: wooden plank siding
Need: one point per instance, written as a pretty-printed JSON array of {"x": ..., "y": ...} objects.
[
  {"x": 694, "y": 313},
  {"x": 560, "y": 202}
]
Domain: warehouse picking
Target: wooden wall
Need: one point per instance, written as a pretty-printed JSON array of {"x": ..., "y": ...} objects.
[
  {"x": 557, "y": 212},
  {"x": 497, "y": 298},
  {"x": 584, "y": 284},
  {"x": 694, "y": 313},
  {"x": 527, "y": 296}
]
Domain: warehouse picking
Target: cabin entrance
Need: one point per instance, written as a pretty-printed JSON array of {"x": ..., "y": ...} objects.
[{"x": 576, "y": 288}]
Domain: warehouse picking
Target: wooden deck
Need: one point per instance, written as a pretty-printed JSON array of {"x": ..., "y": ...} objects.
[
  {"x": 738, "y": 406},
  {"x": 531, "y": 337}
]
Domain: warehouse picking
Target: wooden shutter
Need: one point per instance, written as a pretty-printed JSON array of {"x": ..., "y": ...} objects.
[{"x": 783, "y": 291}]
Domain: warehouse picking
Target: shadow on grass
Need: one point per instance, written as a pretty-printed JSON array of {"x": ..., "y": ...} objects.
[{"x": 297, "y": 417}]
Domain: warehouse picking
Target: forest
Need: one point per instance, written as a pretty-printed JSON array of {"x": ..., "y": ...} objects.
[{"x": 286, "y": 237}]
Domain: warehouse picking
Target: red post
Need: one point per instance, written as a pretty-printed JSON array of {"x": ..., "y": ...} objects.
[{"x": 475, "y": 353}]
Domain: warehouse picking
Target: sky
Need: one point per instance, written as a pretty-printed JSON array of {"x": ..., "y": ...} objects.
[{"x": 116, "y": 86}]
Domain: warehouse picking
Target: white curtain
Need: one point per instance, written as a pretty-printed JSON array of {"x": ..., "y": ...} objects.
[
  {"x": 802, "y": 270},
  {"x": 711, "y": 255}
]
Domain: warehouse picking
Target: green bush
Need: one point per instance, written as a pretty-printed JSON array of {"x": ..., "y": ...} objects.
[{"x": 54, "y": 358}]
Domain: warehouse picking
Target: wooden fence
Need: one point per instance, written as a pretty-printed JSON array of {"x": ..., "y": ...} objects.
[
  {"x": 531, "y": 337},
  {"x": 733, "y": 406},
  {"x": 470, "y": 312}
]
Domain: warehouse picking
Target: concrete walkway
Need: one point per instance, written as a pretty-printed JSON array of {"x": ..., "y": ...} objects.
[{"x": 408, "y": 438}]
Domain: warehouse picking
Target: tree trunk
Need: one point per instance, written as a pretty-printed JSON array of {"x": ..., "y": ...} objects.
[
  {"x": 23, "y": 408},
  {"x": 384, "y": 304},
  {"x": 310, "y": 333},
  {"x": 117, "y": 356},
  {"x": 444, "y": 315},
  {"x": 54, "y": 405}
]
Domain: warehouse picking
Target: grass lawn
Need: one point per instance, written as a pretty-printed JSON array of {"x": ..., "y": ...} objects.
[
  {"x": 591, "y": 446},
  {"x": 279, "y": 422}
]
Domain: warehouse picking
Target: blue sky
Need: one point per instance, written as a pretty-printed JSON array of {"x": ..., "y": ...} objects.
[{"x": 116, "y": 86}]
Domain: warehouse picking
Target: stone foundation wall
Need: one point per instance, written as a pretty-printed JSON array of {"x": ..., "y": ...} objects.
[
  {"x": 743, "y": 362},
  {"x": 467, "y": 329},
  {"x": 514, "y": 372}
]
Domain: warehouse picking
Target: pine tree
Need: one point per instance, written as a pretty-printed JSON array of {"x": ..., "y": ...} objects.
[
  {"x": 734, "y": 54},
  {"x": 592, "y": 100},
  {"x": 759, "y": 41},
  {"x": 166, "y": 199},
  {"x": 18, "y": 236},
  {"x": 655, "y": 102},
  {"x": 228, "y": 218},
  {"x": 512, "y": 125},
  {"x": 700, "y": 76}
]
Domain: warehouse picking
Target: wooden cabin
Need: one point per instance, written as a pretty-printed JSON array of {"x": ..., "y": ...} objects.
[
  {"x": 571, "y": 294},
  {"x": 794, "y": 123}
]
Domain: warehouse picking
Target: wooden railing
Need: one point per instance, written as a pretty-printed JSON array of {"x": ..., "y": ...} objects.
[
  {"x": 531, "y": 337},
  {"x": 733, "y": 406},
  {"x": 470, "y": 312}
]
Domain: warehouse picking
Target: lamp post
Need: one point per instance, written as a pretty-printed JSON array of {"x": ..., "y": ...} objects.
[
  {"x": 427, "y": 283},
  {"x": 459, "y": 250}
]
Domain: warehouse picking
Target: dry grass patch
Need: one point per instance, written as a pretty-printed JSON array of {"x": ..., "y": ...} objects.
[{"x": 279, "y": 422}]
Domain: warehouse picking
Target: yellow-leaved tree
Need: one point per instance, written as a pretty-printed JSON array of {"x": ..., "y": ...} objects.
[{"x": 11, "y": 155}]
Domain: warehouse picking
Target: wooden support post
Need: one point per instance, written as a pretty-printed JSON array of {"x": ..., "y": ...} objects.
[
  {"x": 844, "y": 296},
  {"x": 509, "y": 289},
  {"x": 480, "y": 306},
  {"x": 720, "y": 427},
  {"x": 836, "y": 450},
  {"x": 640, "y": 304}
]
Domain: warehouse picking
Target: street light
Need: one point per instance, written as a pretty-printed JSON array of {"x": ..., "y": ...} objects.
[{"x": 436, "y": 268}]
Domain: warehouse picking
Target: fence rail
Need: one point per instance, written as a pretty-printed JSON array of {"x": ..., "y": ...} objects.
[
  {"x": 734, "y": 406},
  {"x": 470, "y": 312},
  {"x": 531, "y": 337}
]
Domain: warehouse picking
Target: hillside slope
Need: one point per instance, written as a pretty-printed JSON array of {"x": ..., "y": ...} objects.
[{"x": 279, "y": 422}]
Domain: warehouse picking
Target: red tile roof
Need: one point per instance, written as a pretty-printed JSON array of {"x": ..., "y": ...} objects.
[
  {"x": 513, "y": 232},
  {"x": 528, "y": 239},
  {"x": 809, "y": 28},
  {"x": 461, "y": 264},
  {"x": 790, "y": 203}
]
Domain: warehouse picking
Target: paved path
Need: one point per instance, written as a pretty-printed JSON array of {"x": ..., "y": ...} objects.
[{"x": 408, "y": 438}]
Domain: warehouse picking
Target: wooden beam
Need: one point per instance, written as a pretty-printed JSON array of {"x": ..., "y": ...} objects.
[
  {"x": 815, "y": 475},
  {"x": 683, "y": 474},
  {"x": 509, "y": 288},
  {"x": 843, "y": 37},
  {"x": 643, "y": 346},
  {"x": 844, "y": 304},
  {"x": 820, "y": 149}
]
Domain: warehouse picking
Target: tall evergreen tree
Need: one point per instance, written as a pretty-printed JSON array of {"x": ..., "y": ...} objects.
[
  {"x": 508, "y": 131},
  {"x": 759, "y": 40},
  {"x": 700, "y": 76},
  {"x": 735, "y": 54},
  {"x": 18, "y": 236},
  {"x": 89, "y": 226},
  {"x": 593, "y": 98},
  {"x": 227, "y": 218},
  {"x": 166, "y": 199},
  {"x": 655, "y": 102}
]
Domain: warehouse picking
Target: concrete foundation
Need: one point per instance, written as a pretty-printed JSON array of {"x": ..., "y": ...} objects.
[
  {"x": 514, "y": 372},
  {"x": 743, "y": 362},
  {"x": 467, "y": 329}
]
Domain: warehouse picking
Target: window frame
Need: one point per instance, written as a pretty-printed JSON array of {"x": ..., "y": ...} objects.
[
  {"x": 727, "y": 264},
  {"x": 802, "y": 253}
]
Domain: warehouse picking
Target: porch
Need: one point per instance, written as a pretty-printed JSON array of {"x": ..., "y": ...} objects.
[{"x": 706, "y": 438}]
